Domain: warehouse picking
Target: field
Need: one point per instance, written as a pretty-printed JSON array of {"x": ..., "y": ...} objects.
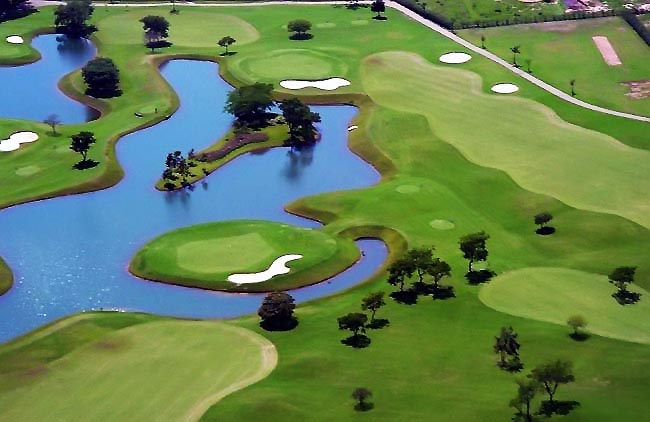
[
  {"x": 205, "y": 255},
  {"x": 456, "y": 159},
  {"x": 562, "y": 51}
]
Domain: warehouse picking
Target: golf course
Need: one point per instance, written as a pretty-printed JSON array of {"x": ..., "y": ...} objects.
[{"x": 122, "y": 297}]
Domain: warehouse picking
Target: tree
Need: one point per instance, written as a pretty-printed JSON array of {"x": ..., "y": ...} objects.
[
  {"x": 378, "y": 7},
  {"x": 71, "y": 19},
  {"x": 572, "y": 83},
  {"x": 552, "y": 374},
  {"x": 399, "y": 271},
  {"x": 361, "y": 395},
  {"x": 81, "y": 143},
  {"x": 438, "y": 269},
  {"x": 250, "y": 104},
  {"x": 14, "y": 9},
  {"x": 300, "y": 120},
  {"x": 102, "y": 77},
  {"x": 372, "y": 302},
  {"x": 300, "y": 29},
  {"x": 576, "y": 322},
  {"x": 156, "y": 30},
  {"x": 621, "y": 277},
  {"x": 474, "y": 247},
  {"x": 506, "y": 345},
  {"x": 542, "y": 219},
  {"x": 226, "y": 42},
  {"x": 355, "y": 322},
  {"x": 528, "y": 64},
  {"x": 526, "y": 392},
  {"x": 515, "y": 50},
  {"x": 420, "y": 259},
  {"x": 52, "y": 120},
  {"x": 276, "y": 312}
]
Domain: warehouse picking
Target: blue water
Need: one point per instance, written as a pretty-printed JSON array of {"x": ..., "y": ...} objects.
[
  {"x": 70, "y": 254},
  {"x": 30, "y": 92}
]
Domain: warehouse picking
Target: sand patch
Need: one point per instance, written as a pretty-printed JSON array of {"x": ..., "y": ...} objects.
[
  {"x": 407, "y": 189},
  {"x": 326, "y": 84},
  {"x": 440, "y": 224},
  {"x": 638, "y": 89},
  {"x": 607, "y": 51},
  {"x": 455, "y": 58},
  {"x": 27, "y": 170},
  {"x": 277, "y": 267},
  {"x": 353, "y": 127},
  {"x": 13, "y": 142},
  {"x": 504, "y": 88},
  {"x": 15, "y": 39}
]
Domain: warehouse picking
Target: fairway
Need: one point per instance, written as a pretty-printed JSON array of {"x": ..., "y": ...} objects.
[
  {"x": 167, "y": 370},
  {"x": 554, "y": 294},
  {"x": 205, "y": 255},
  {"x": 542, "y": 153}
]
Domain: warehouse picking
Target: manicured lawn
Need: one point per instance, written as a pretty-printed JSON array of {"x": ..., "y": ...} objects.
[
  {"x": 153, "y": 370},
  {"x": 554, "y": 294},
  {"x": 6, "y": 277},
  {"x": 205, "y": 255},
  {"x": 562, "y": 51}
]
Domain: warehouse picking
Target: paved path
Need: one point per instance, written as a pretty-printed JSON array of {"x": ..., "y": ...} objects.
[{"x": 435, "y": 27}]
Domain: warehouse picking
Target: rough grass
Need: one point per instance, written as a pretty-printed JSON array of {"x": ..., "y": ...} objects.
[
  {"x": 205, "y": 255},
  {"x": 160, "y": 370},
  {"x": 554, "y": 294}
]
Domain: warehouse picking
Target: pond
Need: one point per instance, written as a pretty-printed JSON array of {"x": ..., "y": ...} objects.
[
  {"x": 71, "y": 254},
  {"x": 30, "y": 92}
]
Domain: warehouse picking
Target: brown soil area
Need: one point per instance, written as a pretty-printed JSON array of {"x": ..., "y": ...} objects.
[
  {"x": 231, "y": 145},
  {"x": 638, "y": 89}
]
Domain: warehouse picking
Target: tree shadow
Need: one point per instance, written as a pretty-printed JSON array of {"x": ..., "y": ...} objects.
[
  {"x": 512, "y": 365},
  {"x": 274, "y": 324},
  {"x": 625, "y": 297},
  {"x": 545, "y": 231},
  {"x": 479, "y": 277},
  {"x": 363, "y": 407},
  {"x": 405, "y": 297},
  {"x": 380, "y": 18},
  {"x": 85, "y": 164},
  {"x": 230, "y": 53},
  {"x": 301, "y": 36},
  {"x": 556, "y": 407},
  {"x": 360, "y": 341},
  {"x": 442, "y": 292},
  {"x": 378, "y": 323},
  {"x": 579, "y": 336}
]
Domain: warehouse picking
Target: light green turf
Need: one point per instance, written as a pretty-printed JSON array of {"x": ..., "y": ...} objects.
[
  {"x": 554, "y": 294},
  {"x": 205, "y": 255},
  {"x": 28, "y": 170},
  {"x": 165, "y": 370},
  {"x": 561, "y": 51},
  {"x": 542, "y": 153}
]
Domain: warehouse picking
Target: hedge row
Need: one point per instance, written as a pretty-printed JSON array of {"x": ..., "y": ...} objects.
[{"x": 638, "y": 26}]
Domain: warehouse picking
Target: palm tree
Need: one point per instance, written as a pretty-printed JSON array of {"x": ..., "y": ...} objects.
[
  {"x": 572, "y": 82},
  {"x": 528, "y": 62},
  {"x": 515, "y": 50},
  {"x": 506, "y": 345},
  {"x": 483, "y": 41}
]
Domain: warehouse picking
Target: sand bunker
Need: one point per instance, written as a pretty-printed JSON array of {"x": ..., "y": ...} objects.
[
  {"x": 607, "y": 51},
  {"x": 15, "y": 39},
  {"x": 326, "y": 84},
  {"x": 13, "y": 142},
  {"x": 353, "y": 127},
  {"x": 277, "y": 267},
  {"x": 505, "y": 88},
  {"x": 455, "y": 58}
]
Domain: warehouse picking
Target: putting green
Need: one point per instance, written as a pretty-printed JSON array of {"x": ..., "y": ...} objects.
[
  {"x": 554, "y": 294},
  {"x": 290, "y": 64},
  {"x": 28, "y": 170},
  {"x": 187, "y": 28},
  {"x": 407, "y": 189},
  {"x": 205, "y": 255},
  {"x": 541, "y": 152},
  {"x": 439, "y": 224},
  {"x": 167, "y": 370}
]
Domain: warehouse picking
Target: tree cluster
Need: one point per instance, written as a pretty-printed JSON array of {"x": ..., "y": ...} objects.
[
  {"x": 71, "y": 19},
  {"x": 420, "y": 262},
  {"x": 357, "y": 322},
  {"x": 14, "y": 9},
  {"x": 178, "y": 167},
  {"x": 300, "y": 120},
  {"x": 102, "y": 78}
]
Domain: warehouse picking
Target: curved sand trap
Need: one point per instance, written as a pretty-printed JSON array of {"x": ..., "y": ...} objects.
[
  {"x": 326, "y": 84},
  {"x": 455, "y": 58},
  {"x": 15, "y": 39},
  {"x": 442, "y": 224},
  {"x": 277, "y": 267},
  {"x": 505, "y": 88},
  {"x": 353, "y": 127},
  {"x": 13, "y": 142}
]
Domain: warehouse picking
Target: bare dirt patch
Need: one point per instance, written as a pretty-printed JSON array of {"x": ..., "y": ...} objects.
[
  {"x": 638, "y": 89},
  {"x": 607, "y": 51},
  {"x": 564, "y": 26}
]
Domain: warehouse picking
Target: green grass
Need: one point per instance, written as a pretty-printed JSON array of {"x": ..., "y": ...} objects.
[
  {"x": 562, "y": 51},
  {"x": 159, "y": 370},
  {"x": 6, "y": 277},
  {"x": 554, "y": 294},
  {"x": 205, "y": 255}
]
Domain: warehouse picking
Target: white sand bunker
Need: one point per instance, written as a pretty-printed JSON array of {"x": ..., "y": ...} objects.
[
  {"x": 277, "y": 267},
  {"x": 455, "y": 58},
  {"x": 353, "y": 127},
  {"x": 13, "y": 142},
  {"x": 504, "y": 88},
  {"x": 607, "y": 51},
  {"x": 15, "y": 39},
  {"x": 326, "y": 84}
]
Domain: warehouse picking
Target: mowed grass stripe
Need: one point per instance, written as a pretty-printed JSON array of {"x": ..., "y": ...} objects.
[
  {"x": 149, "y": 372},
  {"x": 554, "y": 294},
  {"x": 542, "y": 153}
]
